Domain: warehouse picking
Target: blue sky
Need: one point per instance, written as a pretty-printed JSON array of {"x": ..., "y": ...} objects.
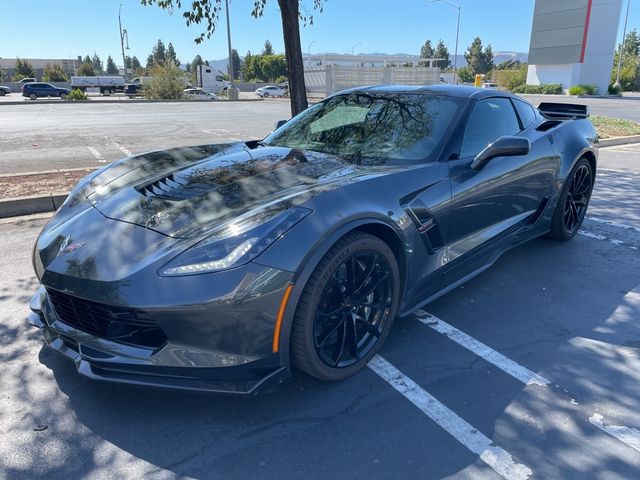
[{"x": 66, "y": 28}]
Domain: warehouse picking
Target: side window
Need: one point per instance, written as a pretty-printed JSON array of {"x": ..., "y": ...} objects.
[
  {"x": 491, "y": 118},
  {"x": 525, "y": 112}
]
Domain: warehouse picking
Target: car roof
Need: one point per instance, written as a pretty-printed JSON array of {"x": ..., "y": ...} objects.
[{"x": 462, "y": 91}]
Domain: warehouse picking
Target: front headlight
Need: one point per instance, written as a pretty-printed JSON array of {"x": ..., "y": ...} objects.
[{"x": 235, "y": 244}]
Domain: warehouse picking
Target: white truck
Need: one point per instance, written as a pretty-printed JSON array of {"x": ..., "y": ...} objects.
[
  {"x": 107, "y": 85},
  {"x": 210, "y": 80}
]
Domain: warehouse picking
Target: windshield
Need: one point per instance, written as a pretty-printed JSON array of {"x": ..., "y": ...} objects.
[{"x": 371, "y": 128}]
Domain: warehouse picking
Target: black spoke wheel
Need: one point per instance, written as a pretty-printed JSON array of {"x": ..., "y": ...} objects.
[
  {"x": 347, "y": 308},
  {"x": 573, "y": 202}
]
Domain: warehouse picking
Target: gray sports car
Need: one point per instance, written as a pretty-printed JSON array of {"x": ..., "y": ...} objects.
[{"x": 223, "y": 267}]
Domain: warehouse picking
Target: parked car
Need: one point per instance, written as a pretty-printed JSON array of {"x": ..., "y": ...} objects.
[
  {"x": 494, "y": 86},
  {"x": 222, "y": 267},
  {"x": 25, "y": 80},
  {"x": 37, "y": 89},
  {"x": 198, "y": 94},
  {"x": 133, "y": 90},
  {"x": 271, "y": 91},
  {"x": 4, "y": 90}
]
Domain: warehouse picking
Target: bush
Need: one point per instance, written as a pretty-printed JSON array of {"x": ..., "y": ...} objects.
[
  {"x": 583, "y": 90},
  {"x": 167, "y": 83},
  {"x": 511, "y": 78},
  {"x": 77, "y": 94},
  {"x": 280, "y": 79},
  {"x": 614, "y": 90},
  {"x": 542, "y": 89}
]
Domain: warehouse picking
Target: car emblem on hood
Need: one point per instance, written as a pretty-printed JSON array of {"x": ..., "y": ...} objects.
[{"x": 67, "y": 247}]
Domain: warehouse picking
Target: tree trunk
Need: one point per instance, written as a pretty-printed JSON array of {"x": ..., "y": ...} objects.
[{"x": 289, "y": 10}]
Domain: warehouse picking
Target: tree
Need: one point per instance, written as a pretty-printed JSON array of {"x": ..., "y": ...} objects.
[
  {"x": 53, "y": 73},
  {"x": 510, "y": 64},
  {"x": 442, "y": 52},
  {"x": 23, "y": 69},
  {"x": 426, "y": 51},
  {"x": 86, "y": 68},
  {"x": 171, "y": 55},
  {"x": 167, "y": 82},
  {"x": 159, "y": 54},
  {"x": 149, "y": 65},
  {"x": 237, "y": 64},
  {"x": 135, "y": 64},
  {"x": 268, "y": 48},
  {"x": 248, "y": 68},
  {"x": 479, "y": 60},
  {"x": 271, "y": 67},
  {"x": 97, "y": 64},
  {"x": 111, "y": 67},
  {"x": 207, "y": 12},
  {"x": 465, "y": 74},
  {"x": 197, "y": 60}
]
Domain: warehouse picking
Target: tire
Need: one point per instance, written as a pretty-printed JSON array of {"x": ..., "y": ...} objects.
[
  {"x": 265, "y": 95},
  {"x": 573, "y": 202},
  {"x": 33, "y": 96},
  {"x": 2, "y": 93},
  {"x": 63, "y": 96},
  {"x": 333, "y": 346}
]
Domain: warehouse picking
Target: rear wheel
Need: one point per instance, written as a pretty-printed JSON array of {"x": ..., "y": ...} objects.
[
  {"x": 63, "y": 96},
  {"x": 347, "y": 308},
  {"x": 2, "y": 93},
  {"x": 265, "y": 95},
  {"x": 33, "y": 96},
  {"x": 573, "y": 202}
]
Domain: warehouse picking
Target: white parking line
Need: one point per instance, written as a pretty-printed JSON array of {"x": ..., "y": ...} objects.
[
  {"x": 122, "y": 149},
  {"x": 96, "y": 154},
  {"x": 469, "y": 436},
  {"x": 627, "y": 435},
  {"x": 505, "y": 364},
  {"x": 614, "y": 224},
  {"x": 614, "y": 241}
]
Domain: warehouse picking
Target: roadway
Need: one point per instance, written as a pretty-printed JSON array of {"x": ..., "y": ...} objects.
[
  {"x": 38, "y": 136},
  {"x": 531, "y": 370}
]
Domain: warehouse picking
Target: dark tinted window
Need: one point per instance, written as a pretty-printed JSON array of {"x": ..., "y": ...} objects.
[
  {"x": 491, "y": 118},
  {"x": 526, "y": 113},
  {"x": 372, "y": 128}
]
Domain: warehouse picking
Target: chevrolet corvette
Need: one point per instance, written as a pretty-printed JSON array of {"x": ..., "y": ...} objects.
[{"x": 226, "y": 267}]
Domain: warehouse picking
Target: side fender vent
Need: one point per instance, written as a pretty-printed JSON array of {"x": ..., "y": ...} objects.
[{"x": 426, "y": 224}]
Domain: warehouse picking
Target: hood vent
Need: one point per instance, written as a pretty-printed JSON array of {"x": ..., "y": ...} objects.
[{"x": 173, "y": 188}]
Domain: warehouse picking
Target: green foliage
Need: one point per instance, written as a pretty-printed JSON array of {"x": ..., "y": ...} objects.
[
  {"x": 159, "y": 54},
  {"x": 167, "y": 83},
  {"x": 583, "y": 90},
  {"x": 544, "y": 89},
  {"x": 97, "y": 64},
  {"x": 510, "y": 64},
  {"x": 237, "y": 63},
  {"x": 23, "y": 69},
  {"x": 510, "y": 78},
  {"x": 613, "y": 89},
  {"x": 86, "y": 68},
  {"x": 426, "y": 51},
  {"x": 149, "y": 64},
  {"x": 264, "y": 68},
  {"x": 442, "y": 52},
  {"x": 268, "y": 48},
  {"x": 53, "y": 73},
  {"x": 280, "y": 79},
  {"x": 629, "y": 72},
  {"x": 480, "y": 60},
  {"x": 465, "y": 75},
  {"x": 112, "y": 69},
  {"x": 77, "y": 95},
  {"x": 171, "y": 56}
]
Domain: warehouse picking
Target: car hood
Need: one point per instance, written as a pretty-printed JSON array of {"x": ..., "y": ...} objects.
[{"x": 186, "y": 192}]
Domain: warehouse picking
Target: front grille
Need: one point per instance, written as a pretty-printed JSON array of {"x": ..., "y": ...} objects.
[{"x": 120, "y": 324}]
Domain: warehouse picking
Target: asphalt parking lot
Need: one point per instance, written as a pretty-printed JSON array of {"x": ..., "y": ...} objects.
[
  {"x": 531, "y": 370},
  {"x": 40, "y": 137}
]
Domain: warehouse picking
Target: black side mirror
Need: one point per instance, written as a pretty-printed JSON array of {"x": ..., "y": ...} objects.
[
  {"x": 506, "y": 146},
  {"x": 280, "y": 123}
]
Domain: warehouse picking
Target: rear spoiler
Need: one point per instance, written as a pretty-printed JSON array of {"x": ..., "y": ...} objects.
[{"x": 563, "y": 110}]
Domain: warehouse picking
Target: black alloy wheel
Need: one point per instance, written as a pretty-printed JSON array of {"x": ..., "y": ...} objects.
[
  {"x": 347, "y": 308},
  {"x": 573, "y": 202}
]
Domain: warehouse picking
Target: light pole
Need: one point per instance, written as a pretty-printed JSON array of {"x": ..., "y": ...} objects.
[
  {"x": 229, "y": 44},
  {"x": 621, "y": 53},
  {"x": 354, "y": 47},
  {"x": 309, "y": 49},
  {"x": 455, "y": 55},
  {"x": 123, "y": 34}
]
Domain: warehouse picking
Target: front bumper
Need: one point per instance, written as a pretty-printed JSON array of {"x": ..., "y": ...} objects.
[{"x": 174, "y": 366}]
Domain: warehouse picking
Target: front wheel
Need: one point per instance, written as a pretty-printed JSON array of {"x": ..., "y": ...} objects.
[
  {"x": 2, "y": 93},
  {"x": 63, "y": 96},
  {"x": 573, "y": 202},
  {"x": 347, "y": 308},
  {"x": 33, "y": 96}
]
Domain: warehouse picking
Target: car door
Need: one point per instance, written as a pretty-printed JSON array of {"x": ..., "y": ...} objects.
[{"x": 507, "y": 192}]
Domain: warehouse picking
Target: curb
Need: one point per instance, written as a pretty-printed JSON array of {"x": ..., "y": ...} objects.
[
  {"x": 16, "y": 207},
  {"x": 610, "y": 142},
  {"x": 128, "y": 100},
  {"x": 19, "y": 206}
]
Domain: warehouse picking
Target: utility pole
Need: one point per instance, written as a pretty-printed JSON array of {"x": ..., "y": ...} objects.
[
  {"x": 621, "y": 52},
  {"x": 229, "y": 44},
  {"x": 455, "y": 55}
]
